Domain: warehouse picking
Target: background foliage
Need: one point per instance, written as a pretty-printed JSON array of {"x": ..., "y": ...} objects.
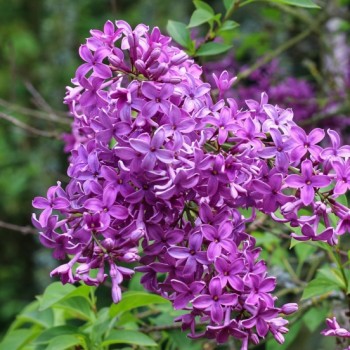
[{"x": 38, "y": 55}]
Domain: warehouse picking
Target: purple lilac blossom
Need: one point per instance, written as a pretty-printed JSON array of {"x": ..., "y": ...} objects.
[
  {"x": 162, "y": 165},
  {"x": 334, "y": 330}
]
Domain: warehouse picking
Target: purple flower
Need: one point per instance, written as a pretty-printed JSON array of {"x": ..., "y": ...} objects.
[
  {"x": 260, "y": 287},
  {"x": 127, "y": 100},
  {"x": 229, "y": 273},
  {"x": 306, "y": 143},
  {"x": 215, "y": 300},
  {"x": 250, "y": 133},
  {"x": 194, "y": 94},
  {"x": 342, "y": 171},
  {"x": 158, "y": 98},
  {"x": 223, "y": 82},
  {"x": 344, "y": 223},
  {"x": 94, "y": 222},
  {"x": 310, "y": 234},
  {"x": 93, "y": 95},
  {"x": 231, "y": 328},
  {"x": 306, "y": 181},
  {"x": 334, "y": 330},
  {"x": 158, "y": 167},
  {"x": 94, "y": 62},
  {"x": 185, "y": 293},
  {"x": 108, "y": 36},
  {"x": 107, "y": 207},
  {"x": 162, "y": 240},
  {"x": 225, "y": 123},
  {"x": 180, "y": 184},
  {"x": 192, "y": 255},
  {"x": 270, "y": 193},
  {"x": 176, "y": 123},
  {"x": 118, "y": 181},
  {"x": 279, "y": 150},
  {"x": 51, "y": 202},
  {"x": 261, "y": 315},
  {"x": 219, "y": 239},
  {"x": 336, "y": 151},
  {"x": 215, "y": 173},
  {"x": 106, "y": 128},
  {"x": 277, "y": 118},
  {"x": 151, "y": 149}
]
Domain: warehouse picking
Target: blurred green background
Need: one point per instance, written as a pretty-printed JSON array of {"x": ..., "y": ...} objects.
[{"x": 38, "y": 57}]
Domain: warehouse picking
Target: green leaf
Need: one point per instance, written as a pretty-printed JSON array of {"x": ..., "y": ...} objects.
[
  {"x": 53, "y": 293},
  {"x": 199, "y": 17},
  {"x": 300, "y": 3},
  {"x": 46, "y": 336},
  {"x": 211, "y": 49},
  {"x": 228, "y": 25},
  {"x": 16, "y": 339},
  {"x": 135, "y": 284},
  {"x": 78, "y": 307},
  {"x": 267, "y": 240},
  {"x": 317, "y": 287},
  {"x": 180, "y": 33},
  {"x": 133, "y": 300},
  {"x": 57, "y": 291},
  {"x": 30, "y": 314},
  {"x": 203, "y": 5},
  {"x": 293, "y": 243},
  {"x": 63, "y": 342},
  {"x": 128, "y": 337},
  {"x": 128, "y": 320},
  {"x": 314, "y": 317},
  {"x": 303, "y": 252},
  {"x": 100, "y": 326},
  {"x": 181, "y": 341},
  {"x": 343, "y": 200},
  {"x": 333, "y": 275},
  {"x": 42, "y": 318},
  {"x": 228, "y": 4}
]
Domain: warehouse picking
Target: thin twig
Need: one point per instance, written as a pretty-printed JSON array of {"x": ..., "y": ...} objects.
[
  {"x": 279, "y": 50},
  {"x": 297, "y": 12},
  {"x": 38, "y": 99},
  {"x": 22, "y": 229},
  {"x": 28, "y": 128},
  {"x": 319, "y": 117},
  {"x": 57, "y": 117},
  {"x": 271, "y": 55}
]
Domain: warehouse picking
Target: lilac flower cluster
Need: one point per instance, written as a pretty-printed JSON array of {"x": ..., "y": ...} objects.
[
  {"x": 282, "y": 89},
  {"x": 164, "y": 167},
  {"x": 288, "y": 91}
]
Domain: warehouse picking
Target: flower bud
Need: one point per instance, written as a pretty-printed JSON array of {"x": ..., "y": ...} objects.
[
  {"x": 140, "y": 66},
  {"x": 179, "y": 58},
  {"x": 289, "y": 308},
  {"x": 153, "y": 56}
]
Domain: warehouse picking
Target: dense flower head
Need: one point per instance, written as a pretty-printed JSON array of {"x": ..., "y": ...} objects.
[{"x": 161, "y": 165}]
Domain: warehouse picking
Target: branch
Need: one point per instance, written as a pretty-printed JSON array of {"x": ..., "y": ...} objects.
[
  {"x": 287, "y": 45},
  {"x": 22, "y": 229},
  {"x": 28, "y": 128},
  {"x": 319, "y": 117},
  {"x": 38, "y": 99},
  {"x": 271, "y": 55},
  {"x": 297, "y": 12},
  {"x": 56, "y": 117}
]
